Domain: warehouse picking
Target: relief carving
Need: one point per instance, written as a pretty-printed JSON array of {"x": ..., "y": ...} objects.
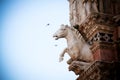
[
  {"x": 90, "y": 6},
  {"x": 81, "y": 9},
  {"x": 117, "y": 19},
  {"x": 79, "y": 51}
]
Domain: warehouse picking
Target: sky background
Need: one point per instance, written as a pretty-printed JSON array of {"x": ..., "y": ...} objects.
[{"x": 27, "y": 49}]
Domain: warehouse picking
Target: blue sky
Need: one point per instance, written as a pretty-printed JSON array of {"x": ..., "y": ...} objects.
[{"x": 27, "y": 48}]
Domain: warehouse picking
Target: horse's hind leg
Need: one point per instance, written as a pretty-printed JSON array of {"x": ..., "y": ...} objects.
[{"x": 69, "y": 61}]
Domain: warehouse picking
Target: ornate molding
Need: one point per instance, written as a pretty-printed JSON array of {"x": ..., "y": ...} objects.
[
  {"x": 97, "y": 23},
  {"x": 100, "y": 18},
  {"x": 98, "y": 30},
  {"x": 102, "y": 37}
]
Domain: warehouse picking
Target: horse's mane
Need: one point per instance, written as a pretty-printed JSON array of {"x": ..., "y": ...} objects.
[{"x": 78, "y": 35}]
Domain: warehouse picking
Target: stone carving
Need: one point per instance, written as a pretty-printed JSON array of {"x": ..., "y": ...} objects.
[
  {"x": 102, "y": 37},
  {"x": 117, "y": 19},
  {"x": 78, "y": 67},
  {"x": 101, "y": 70},
  {"x": 90, "y": 6},
  {"x": 81, "y": 9},
  {"x": 99, "y": 23},
  {"x": 93, "y": 24},
  {"x": 77, "y": 49}
]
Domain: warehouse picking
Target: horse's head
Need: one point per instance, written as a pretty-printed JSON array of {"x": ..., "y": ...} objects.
[{"x": 61, "y": 33}]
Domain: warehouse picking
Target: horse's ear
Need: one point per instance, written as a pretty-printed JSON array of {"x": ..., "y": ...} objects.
[
  {"x": 62, "y": 24},
  {"x": 76, "y": 26},
  {"x": 66, "y": 26}
]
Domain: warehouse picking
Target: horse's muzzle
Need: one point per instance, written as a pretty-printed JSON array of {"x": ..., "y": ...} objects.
[{"x": 56, "y": 37}]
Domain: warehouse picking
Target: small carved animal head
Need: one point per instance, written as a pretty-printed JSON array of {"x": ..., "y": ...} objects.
[{"x": 61, "y": 33}]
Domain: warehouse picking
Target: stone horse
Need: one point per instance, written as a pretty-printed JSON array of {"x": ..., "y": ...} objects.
[{"x": 77, "y": 47}]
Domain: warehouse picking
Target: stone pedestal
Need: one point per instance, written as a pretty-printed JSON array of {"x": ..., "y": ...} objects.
[{"x": 100, "y": 70}]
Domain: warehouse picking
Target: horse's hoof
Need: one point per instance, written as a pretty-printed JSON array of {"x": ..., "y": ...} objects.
[
  {"x": 60, "y": 59},
  {"x": 69, "y": 61}
]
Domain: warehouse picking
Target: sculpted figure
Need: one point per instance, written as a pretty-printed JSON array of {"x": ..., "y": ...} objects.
[
  {"x": 90, "y": 6},
  {"x": 85, "y": 8},
  {"x": 116, "y": 18},
  {"x": 82, "y": 11},
  {"x": 77, "y": 48}
]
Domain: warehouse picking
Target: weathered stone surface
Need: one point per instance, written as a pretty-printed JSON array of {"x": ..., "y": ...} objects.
[
  {"x": 98, "y": 21},
  {"x": 77, "y": 48},
  {"x": 81, "y": 9}
]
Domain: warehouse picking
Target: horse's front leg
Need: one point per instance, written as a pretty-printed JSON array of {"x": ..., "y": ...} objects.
[{"x": 62, "y": 54}]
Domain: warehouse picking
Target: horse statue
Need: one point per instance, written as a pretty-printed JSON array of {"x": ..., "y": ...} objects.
[{"x": 77, "y": 47}]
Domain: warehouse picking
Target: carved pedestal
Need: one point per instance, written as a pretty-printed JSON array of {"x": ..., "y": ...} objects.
[{"x": 100, "y": 70}]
